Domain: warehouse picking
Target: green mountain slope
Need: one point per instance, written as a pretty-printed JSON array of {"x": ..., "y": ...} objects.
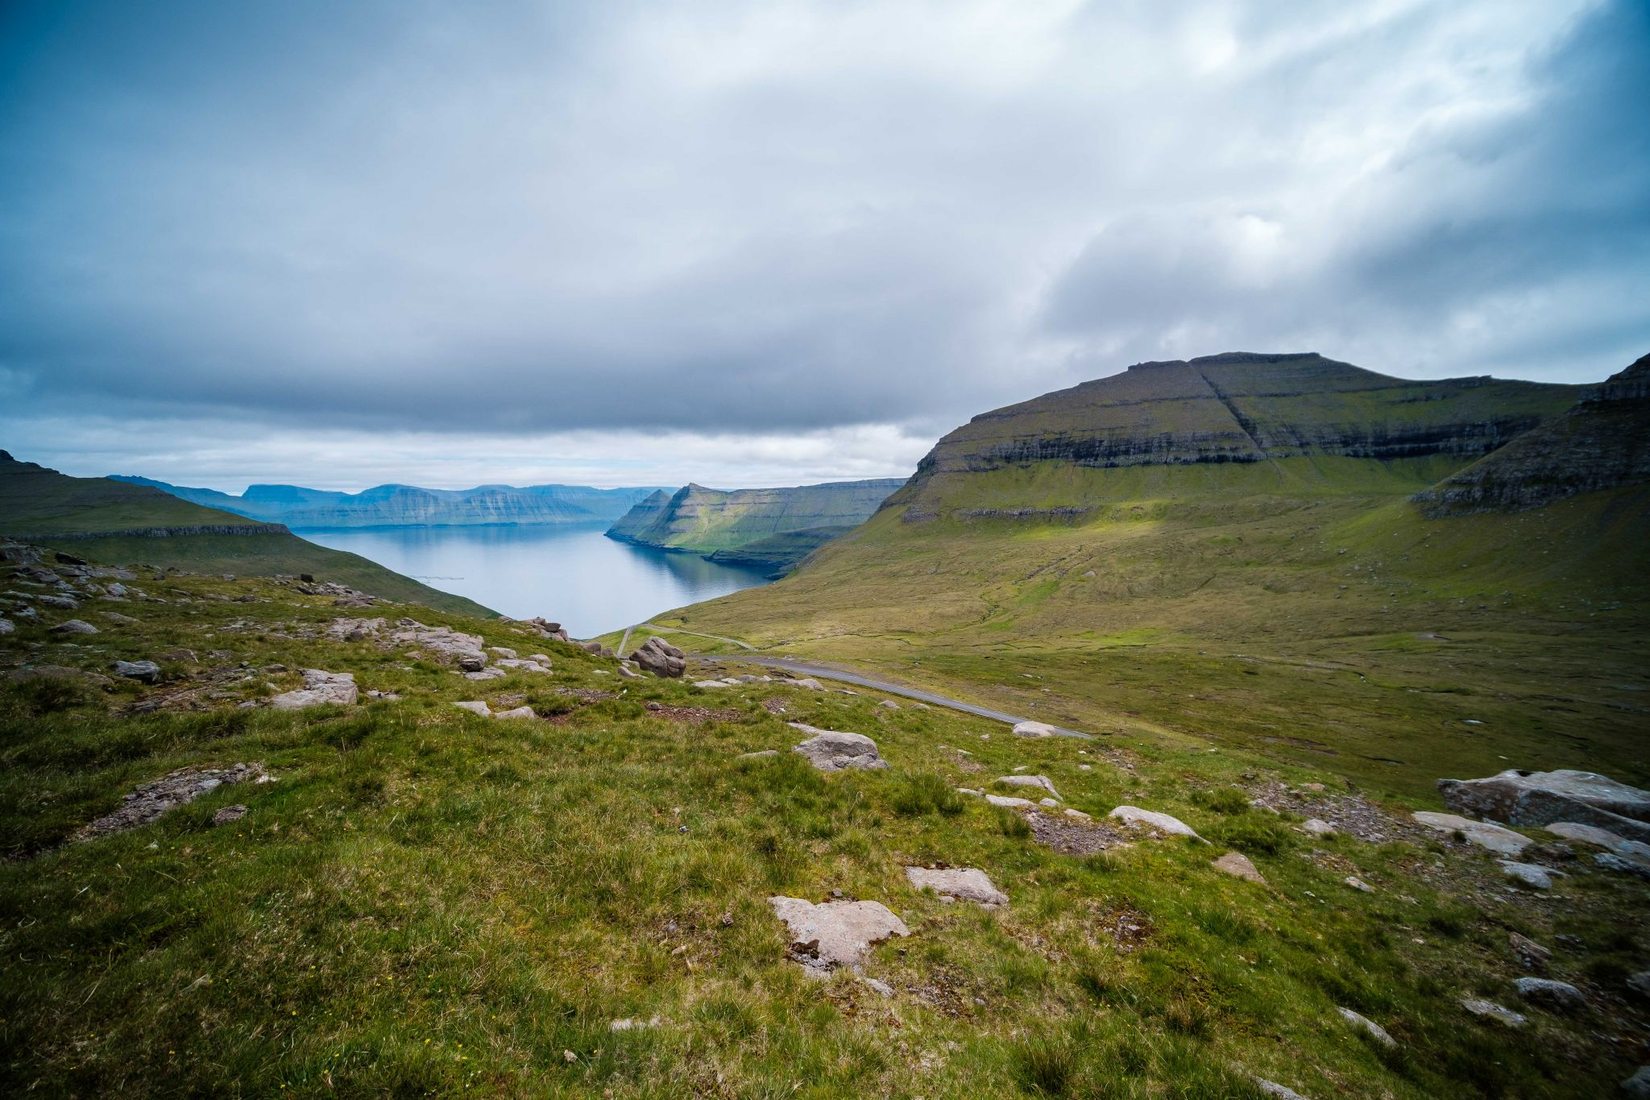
[
  {"x": 113, "y": 522},
  {"x": 788, "y": 523},
  {"x": 1248, "y": 565}
]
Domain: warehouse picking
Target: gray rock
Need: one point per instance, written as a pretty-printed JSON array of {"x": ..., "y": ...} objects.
[
  {"x": 1637, "y": 1087},
  {"x": 475, "y": 706},
  {"x": 1151, "y": 819},
  {"x": 320, "y": 687},
  {"x": 174, "y": 789},
  {"x": 7, "y": 626},
  {"x": 879, "y": 987},
  {"x": 1369, "y": 1027},
  {"x": 486, "y": 674},
  {"x": 835, "y": 933},
  {"x": 1640, "y": 983},
  {"x": 1489, "y": 1010},
  {"x": 1239, "y": 865},
  {"x": 888, "y": 704},
  {"x": 1612, "y": 862},
  {"x": 521, "y": 665},
  {"x": 1531, "y": 954},
  {"x": 116, "y": 591},
  {"x": 61, "y": 603},
  {"x": 1636, "y": 851},
  {"x": 660, "y": 658},
  {"x": 959, "y": 883},
  {"x": 1008, "y": 802},
  {"x": 807, "y": 682},
  {"x": 146, "y": 671},
  {"x": 760, "y": 754},
  {"x": 1042, "y": 782},
  {"x": 1530, "y": 874},
  {"x": 1358, "y": 884},
  {"x": 229, "y": 814},
  {"x": 834, "y": 751},
  {"x": 74, "y": 626},
  {"x": 1034, "y": 729},
  {"x": 1548, "y": 993},
  {"x": 472, "y": 662},
  {"x": 1482, "y": 833},
  {"x": 1541, "y": 798},
  {"x": 628, "y": 671},
  {"x": 1273, "y": 1089},
  {"x": 1316, "y": 827},
  {"x": 454, "y": 645},
  {"x": 518, "y": 712},
  {"x": 501, "y": 651}
]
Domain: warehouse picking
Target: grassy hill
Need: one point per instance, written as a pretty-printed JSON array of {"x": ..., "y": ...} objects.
[
  {"x": 1299, "y": 604},
  {"x": 109, "y": 521}
]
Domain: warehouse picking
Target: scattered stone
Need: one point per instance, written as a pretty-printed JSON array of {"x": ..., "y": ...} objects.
[
  {"x": 715, "y": 683},
  {"x": 74, "y": 626},
  {"x": 958, "y": 883},
  {"x": 521, "y": 665},
  {"x": 1531, "y": 954},
  {"x": 146, "y": 671},
  {"x": 628, "y": 671},
  {"x": 518, "y": 712},
  {"x": 472, "y": 662},
  {"x": 229, "y": 814},
  {"x": 7, "y": 626},
  {"x": 464, "y": 649},
  {"x": 835, "y": 933},
  {"x": 834, "y": 751},
  {"x": 1548, "y": 993},
  {"x": 1358, "y": 884},
  {"x": 320, "y": 687},
  {"x": 1318, "y": 827},
  {"x": 61, "y": 603},
  {"x": 486, "y": 674},
  {"x": 1636, "y": 851},
  {"x": 878, "y": 986},
  {"x": 1239, "y": 865},
  {"x": 1482, "y": 833},
  {"x": 174, "y": 789},
  {"x": 1364, "y": 1023},
  {"x": 1637, "y": 1087},
  {"x": 475, "y": 706},
  {"x": 1034, "y": 729},
  {"x": 501, "y": 651},
  {"x": 1041, "y": 782},
  {"x": 660, "y": 658},
  {"x": 116, "y": 591},
  {"x": 807, "y": 682},
  {"x": 760, "y": 754},
  {"x": 120, "y": 620},
  {"x": 1530, "y": 874},
  {"x": 1489, "y": 1010},
  {"x": 353, "y": 630},
  {"x": 1541, "y": 798},
  {"x": 1078, "y": 815},
  {"x": 888, "y": 704},
  {"x": 1008, "y": 802},
  {"x": 1163, "y": 823},
  {"x": 1072, "y": 836},
  {"x": 1273, "y": 1089}
]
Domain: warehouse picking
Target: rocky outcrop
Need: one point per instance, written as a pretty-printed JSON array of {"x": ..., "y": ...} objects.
[
  {"x": 660, "y": 658},
  {"x": 834, "y": 750},
  {"x": 320, "y": 687},
  {"x": 957, "y": 884},
  {"x": 835, "y": 933},
  {"x": 1542, "y": 798},
  {"x": 174, "y": 789},
  {"x": 1482, "y": 833}
]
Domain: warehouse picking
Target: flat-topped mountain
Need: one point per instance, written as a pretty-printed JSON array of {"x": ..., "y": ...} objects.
[
  {"x": 764, "y": 528},
  {"x": 413, "y": 506}
]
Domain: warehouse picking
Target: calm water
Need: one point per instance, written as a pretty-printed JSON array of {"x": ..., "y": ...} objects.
[{"x": 570, "y": 574}]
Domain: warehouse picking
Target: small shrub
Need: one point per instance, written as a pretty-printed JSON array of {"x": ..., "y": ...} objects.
[
  {"x": 1254, "y": 833},
  {"x": 1011, "y": 824},
  {"x": 926, "y": 793},
  {"x": 1046, "y": 1065},
  {"x": 1223, "y": 800}
]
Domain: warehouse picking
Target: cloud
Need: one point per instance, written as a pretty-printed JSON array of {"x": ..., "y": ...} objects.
[{"x": 726, "y": 221}]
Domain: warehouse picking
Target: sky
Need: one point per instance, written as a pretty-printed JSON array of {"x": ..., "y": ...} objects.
[{"x": 773, "y": 243}]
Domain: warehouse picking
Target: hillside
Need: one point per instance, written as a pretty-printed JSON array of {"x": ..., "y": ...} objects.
[
  {"x": 412, "y": 506},
  {"x": 770, "y": 528},
  {"x": 105, "y": 520},
  {"x": 1228, "y": 548}
]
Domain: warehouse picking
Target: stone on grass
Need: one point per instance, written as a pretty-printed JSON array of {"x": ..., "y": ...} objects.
[
  {"x": 1238, "y": 865},
  {"x": 74, "y": 626},
  {"x": 660, "y": 658},
  {"x": 7, "y": 626},
  {"x": 888, "y": 704},
  {"x": 1531, "y": 954},
  {"x": 958, "y": 883},
  {"x": 879, "y": 987},
  {"x": 466, "y": 649},
  {"x": 807, "y": 682},
  {"x": 1318, "y": 827},
  {"x": 229, "y": 814},
  {"x": 1636, "y": 851},
  {"x": 518, "y": 712},
  {"x": 486, "y": 674},
  {"x": 1042, "y": 782},
  {"x": 475, "y": 706},
  {"x": 1079, "y": 815},
  {"x": 1540, "y": 798},
  {"x": 1612, "y": 862},
  {"x": 320, "y": 687},
  {"x": 1358, "y": 884},
  {"x": 1275, "y": 1090},
  {"x": 1163, "y": 823},
  {"x": 174, "y": 789},
  {"x": 633, "y": 1025},
  {"x": 1637, "y": 1087},
  {"x": 1008, "y": 802},
  {"x": 1034, "y": 729},
  {"x": 834, "y": 750},
  {"x": 61, "y": 603},
  {"x": 1500, "y": 840},
  {"x": 1489, "y": 1010},
  {"x": 146, "y": 671},
  {"x": 1369, "y": 1027},
  {"x": 1550, "y": 994},
  {"x": 628, "y": 671},
  {"x": 1530, "y": 874},
  {"x": 760, "y": 754},
  {"x": 835, "y": 933},
  {"x": 501, "y": 651},
  {"x": 1640, "y": 983}
]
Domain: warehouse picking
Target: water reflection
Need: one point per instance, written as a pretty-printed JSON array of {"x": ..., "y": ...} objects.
[{"x": 573, "y": 574}]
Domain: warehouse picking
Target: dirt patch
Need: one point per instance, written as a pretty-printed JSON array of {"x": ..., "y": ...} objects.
[
  {"x": 170, "y": 791},
  {"x": 694, "y": 714},
  {"x": 1071, "y": 836},
  {"x": 1124, "y": 925},
  {"x": 1348, "y": 813},
  {"x": 774, "y": 706}
]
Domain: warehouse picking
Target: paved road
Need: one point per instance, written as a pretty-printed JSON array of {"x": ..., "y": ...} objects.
[{"x": 825, "y": 672}]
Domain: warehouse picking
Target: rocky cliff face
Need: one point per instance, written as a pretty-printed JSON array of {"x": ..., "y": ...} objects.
[
  {"x": 704, "y": 521},
  {"x": 412, "y": 506},
  {"x": 1601, "y": 443}
]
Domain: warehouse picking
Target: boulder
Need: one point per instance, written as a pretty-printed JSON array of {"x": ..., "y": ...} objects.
[
  {"x": 1531, "y": 954},
  {"x": 74, "y": 626},
  {"x": 1239, "y": 865},
  {"x": 454, "y": 645},
  {"x": 1612, "y": 862},
  {"x": 1163, "y": 823},
  {"x": 834, "y": 751},
  {"x": 146, "y": 671},
  {"x": 1637, "y": 1087},
  {"x": 518, "y": 712},
  {"x": 61, "y": 603},
  {"x": 1034, "y": 729},
  {"x": 1489, "y": 1010},
  {"x": 1275, "y": 1090},
  {"x": 1548, "y": 993},
  {"x": 1369, "y": 1027},
  {"x": 1482, "y": 833},
  {"x": 660, "y": 658},
  {"x": 7, "y": 626},
  {"x": 320, "y": 687},
  {"x": 1530, "y": 874},
  {"x": 475, "y": 706},
  {"x": 1640, "y": 983},
  {"x": 807, "y": 682},
  {"x": 958, "y": 884},
  {"x": 1041, "y": 782},
  {"x": 501, "y": 651},
  {"x": 1541, "y": 798},
  {"x": 1636, "y": 851},
  {"x": 1317, "y": 827},
  {"x": 835, "y": 933}
]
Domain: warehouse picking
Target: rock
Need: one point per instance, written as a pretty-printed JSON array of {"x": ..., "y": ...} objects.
[
  {"x": 1530, "y": 874},
  {"x": 1163, "y": 823},
  {"x": 960, "y": 883},
  {"x": 834, "y": 751},
  {"x": 1548, "y": 993},
  {"x": 1358, "y": 884},
  {"x": 1041, "y": 782},
  {"x": 1612, "y": 862},
  {"x": 464, "y": 649},
  {"x": 1489, "y": 1010},
  {"x": 1637, "y": 1087},
  {"x": 660, "y": 658},
  {"x": 628, "y": 671},
  {"x": 174, "y": 789},
  {"x": 888, "y": 704},
  {"x": 320, "y": 687},
  {"x": 472, "y": 662},
  {"x": 713, "y": 684},
  {"x": 501, "y": 651},
  {"x": 760, "y": 754},
  {"x": 1078, "y": 815},
  {"x": 116, "y": 591},
  {"x": 518, "y": 712},
  {"x": 1317, "y": 827},
  {"x": 146, "y": 671},
  {"x": 1034, "y": 729},
  {"x": 835, "y": 933},
  {"x": 1482, "y": 833},
  {"x": 229, "y": 814},
  {"x": 1009, "y": 803},
  {"x": 486, "y": 674},
  {"x": 475, "y": 706},
  {"x": 1542, "y": 798},
  {"x": 1640, "y": 983},
  {"x": 878, "y": 987},
  {"x": 633, "y": 1025},
  {"x": 1238, "y": 865},
  {"x": 807, "y": 682},
  {"x": 7, "y": 626},
  {"x": 354, "y": 630},
  {"x": 74, "y": 626},
  {"x": 520, "y": 665},
  {"x": 1530, "y": 953},
  {"x": 1370, "y": 1027},
  {"x": 61, "y": 603},
  {"x": 1636, "y": 851},
  {"x": 1273, "y": 1089}
]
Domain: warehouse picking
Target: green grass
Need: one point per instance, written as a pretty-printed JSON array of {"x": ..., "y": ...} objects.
[{"x": 430, "y": 903}]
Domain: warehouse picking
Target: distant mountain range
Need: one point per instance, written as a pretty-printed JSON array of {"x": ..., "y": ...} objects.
[
  {"x": 769, "y": 529},
  {"x": 412, "y": 506}
]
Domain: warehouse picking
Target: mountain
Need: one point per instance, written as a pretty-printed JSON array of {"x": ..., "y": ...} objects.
[
  {"x": 765, "y": 528},
  {"x": 1230, "y": 547},
  {"x": 411, "y": 506},
  {"x": 115, "y": 522}
]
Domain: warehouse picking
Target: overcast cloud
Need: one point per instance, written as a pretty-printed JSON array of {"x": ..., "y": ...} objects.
[{"x": 764, "y": 243}]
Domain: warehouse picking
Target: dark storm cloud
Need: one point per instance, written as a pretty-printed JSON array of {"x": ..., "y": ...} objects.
[{"x": 540, "y": 217}]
